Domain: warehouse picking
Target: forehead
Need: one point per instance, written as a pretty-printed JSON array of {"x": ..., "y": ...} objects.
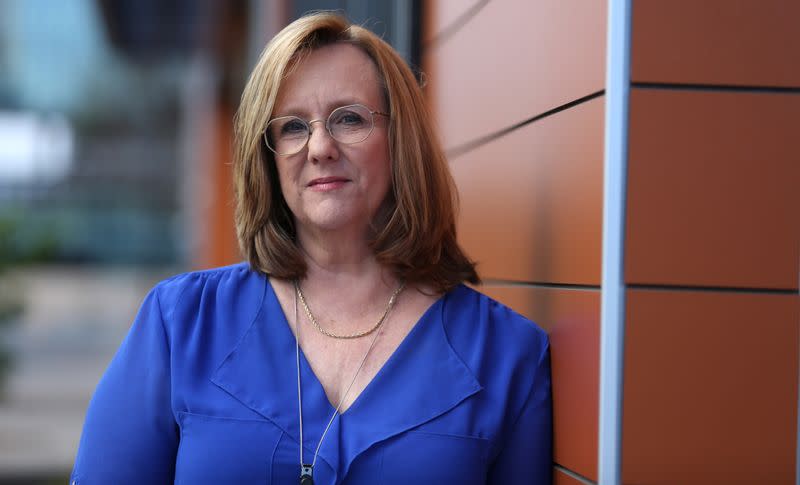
[{"x": 329, "y": 77}]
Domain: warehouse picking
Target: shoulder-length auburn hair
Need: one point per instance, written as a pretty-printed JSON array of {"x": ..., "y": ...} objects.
[{"x": 414, "y": 233}]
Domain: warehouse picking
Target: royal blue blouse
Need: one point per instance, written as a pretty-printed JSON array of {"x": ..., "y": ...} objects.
[{"x": 204, "y": 391}]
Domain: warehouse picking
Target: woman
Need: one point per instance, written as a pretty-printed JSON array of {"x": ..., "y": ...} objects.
[{"x": 349, "y": 329}]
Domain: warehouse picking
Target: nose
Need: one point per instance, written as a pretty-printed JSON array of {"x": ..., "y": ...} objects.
[{"x": 321, "y": 145}]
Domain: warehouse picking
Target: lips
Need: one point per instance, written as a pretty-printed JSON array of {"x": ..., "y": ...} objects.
[
  {"x": 327, "y": 183},
  {"x": 326, "y": 180}
]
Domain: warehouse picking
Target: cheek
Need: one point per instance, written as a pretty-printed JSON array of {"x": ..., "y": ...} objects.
[
  {"x": 382, "y": 188},
  {"x": 380, "y": 166},
  {"x": 380, "y": 177},
  {"x": 286, "y": 178}
]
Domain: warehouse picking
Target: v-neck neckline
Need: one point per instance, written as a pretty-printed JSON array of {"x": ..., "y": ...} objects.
[
  {"x": 422, "y": 379},
  {"x": 305, "y": 366}
]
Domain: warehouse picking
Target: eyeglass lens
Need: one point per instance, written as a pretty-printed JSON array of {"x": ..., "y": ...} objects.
[{"x": 348, "y": 124}]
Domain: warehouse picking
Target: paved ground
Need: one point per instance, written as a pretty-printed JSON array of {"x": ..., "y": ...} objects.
[{"x": 74, "y": 319}]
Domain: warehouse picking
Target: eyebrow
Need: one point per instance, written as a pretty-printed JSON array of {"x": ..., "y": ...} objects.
[{"x": 293, "y": 111}]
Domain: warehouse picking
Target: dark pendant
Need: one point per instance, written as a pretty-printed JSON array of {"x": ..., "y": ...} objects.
[{"x": 305, "y": 475}]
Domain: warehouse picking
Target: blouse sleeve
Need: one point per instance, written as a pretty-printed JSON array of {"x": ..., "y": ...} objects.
[
  {"x": 130, "y": 434},
  {"x": 527, "y": 455}
]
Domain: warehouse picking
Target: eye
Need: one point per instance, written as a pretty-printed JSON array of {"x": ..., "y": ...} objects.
[
  {"x": 348, "y": 117},
  {"x": 293, "y": 127}
]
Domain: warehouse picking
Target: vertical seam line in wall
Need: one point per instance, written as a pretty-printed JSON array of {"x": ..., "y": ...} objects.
[{"x": 612, "y": 313}]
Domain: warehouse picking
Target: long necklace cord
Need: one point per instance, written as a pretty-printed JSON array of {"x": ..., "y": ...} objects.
[
  {"x": 299, "y": 395},
  {"x": 304, "y": 470}
]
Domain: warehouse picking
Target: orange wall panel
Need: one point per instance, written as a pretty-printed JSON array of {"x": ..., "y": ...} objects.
[
  {"x": 713, "y": 195},
  {"x": 710, "y": 387},
  {"x": 572, "y": 319},
  {"x": 513, "y": 60},
  {"x": 531, "y": 201},
  {"x": 732, "y": 42},
  {"x": 441, "y": 16},
  {"x": 220, "y": 246}
]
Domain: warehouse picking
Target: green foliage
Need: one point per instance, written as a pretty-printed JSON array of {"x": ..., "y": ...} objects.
[
  {"x": 9, "y": 303},
  {"x": 6, "y": 232},
  {"x": 10, "y": 300},
  {"x": 21, "y": 245}
]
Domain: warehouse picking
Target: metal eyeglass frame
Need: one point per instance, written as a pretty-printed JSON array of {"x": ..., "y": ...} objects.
[{"x": 372, "y": 114}]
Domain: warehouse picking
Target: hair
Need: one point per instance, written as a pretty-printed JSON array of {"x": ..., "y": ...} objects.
[{"x": 414, "y": 233}]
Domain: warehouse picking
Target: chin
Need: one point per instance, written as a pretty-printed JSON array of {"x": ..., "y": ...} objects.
[{"x": 333, "y": 221}]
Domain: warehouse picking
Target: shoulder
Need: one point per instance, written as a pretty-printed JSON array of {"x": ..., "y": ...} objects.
[
  {"x": 470, "y": 314},
  {"x": 175, "y": 289},
  {"x": 232, "y": 292},
  {"x": 492, "y": 338}
]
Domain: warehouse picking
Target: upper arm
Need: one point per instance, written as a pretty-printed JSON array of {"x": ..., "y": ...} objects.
[
  {"x": 526, "y": 455},
  {"x": 130, "y": 434}
]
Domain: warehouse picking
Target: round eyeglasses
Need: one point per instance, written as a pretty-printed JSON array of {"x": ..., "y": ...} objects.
[{"x": 349, "y": 124}]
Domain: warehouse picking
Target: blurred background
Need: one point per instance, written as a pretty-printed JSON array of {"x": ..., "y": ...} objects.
[{"x": 115, "y": 120}]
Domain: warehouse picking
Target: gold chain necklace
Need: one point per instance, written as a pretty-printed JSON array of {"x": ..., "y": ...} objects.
[{"x": 352, "y": 335}]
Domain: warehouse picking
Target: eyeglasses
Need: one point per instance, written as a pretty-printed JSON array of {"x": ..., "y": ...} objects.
[{"x": 350, "y": 124}]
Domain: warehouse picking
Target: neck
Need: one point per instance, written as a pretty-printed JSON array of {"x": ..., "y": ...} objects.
[
  {"x": 343, "y": 263},
  {"x": 337, "y": 252}
]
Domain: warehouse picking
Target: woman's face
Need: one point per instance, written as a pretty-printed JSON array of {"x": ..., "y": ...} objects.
[{"x": 331, "y": 186}]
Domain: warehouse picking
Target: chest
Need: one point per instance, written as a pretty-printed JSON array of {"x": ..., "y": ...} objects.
[{"x": 345, "y": 367}]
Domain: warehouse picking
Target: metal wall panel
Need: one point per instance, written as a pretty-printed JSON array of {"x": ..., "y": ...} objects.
[
  {"x": 531, "y": 201},
  {"x": 710, "y": 391},
  {"x": 713, "y": 195},
  {"x": 512, "y": 61},
  {"x": 728, "y": 42}
]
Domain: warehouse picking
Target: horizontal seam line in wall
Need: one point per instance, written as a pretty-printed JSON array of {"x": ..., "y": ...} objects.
[
  {"x": 574, "y": 475},
  {"x": 471, "y": 145},
  {"x": 455, "y": 25},
  {"x": 715, "y": 87},
  {"x": 539, "y": 284},
  {"x": 714, "y": 289}
]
